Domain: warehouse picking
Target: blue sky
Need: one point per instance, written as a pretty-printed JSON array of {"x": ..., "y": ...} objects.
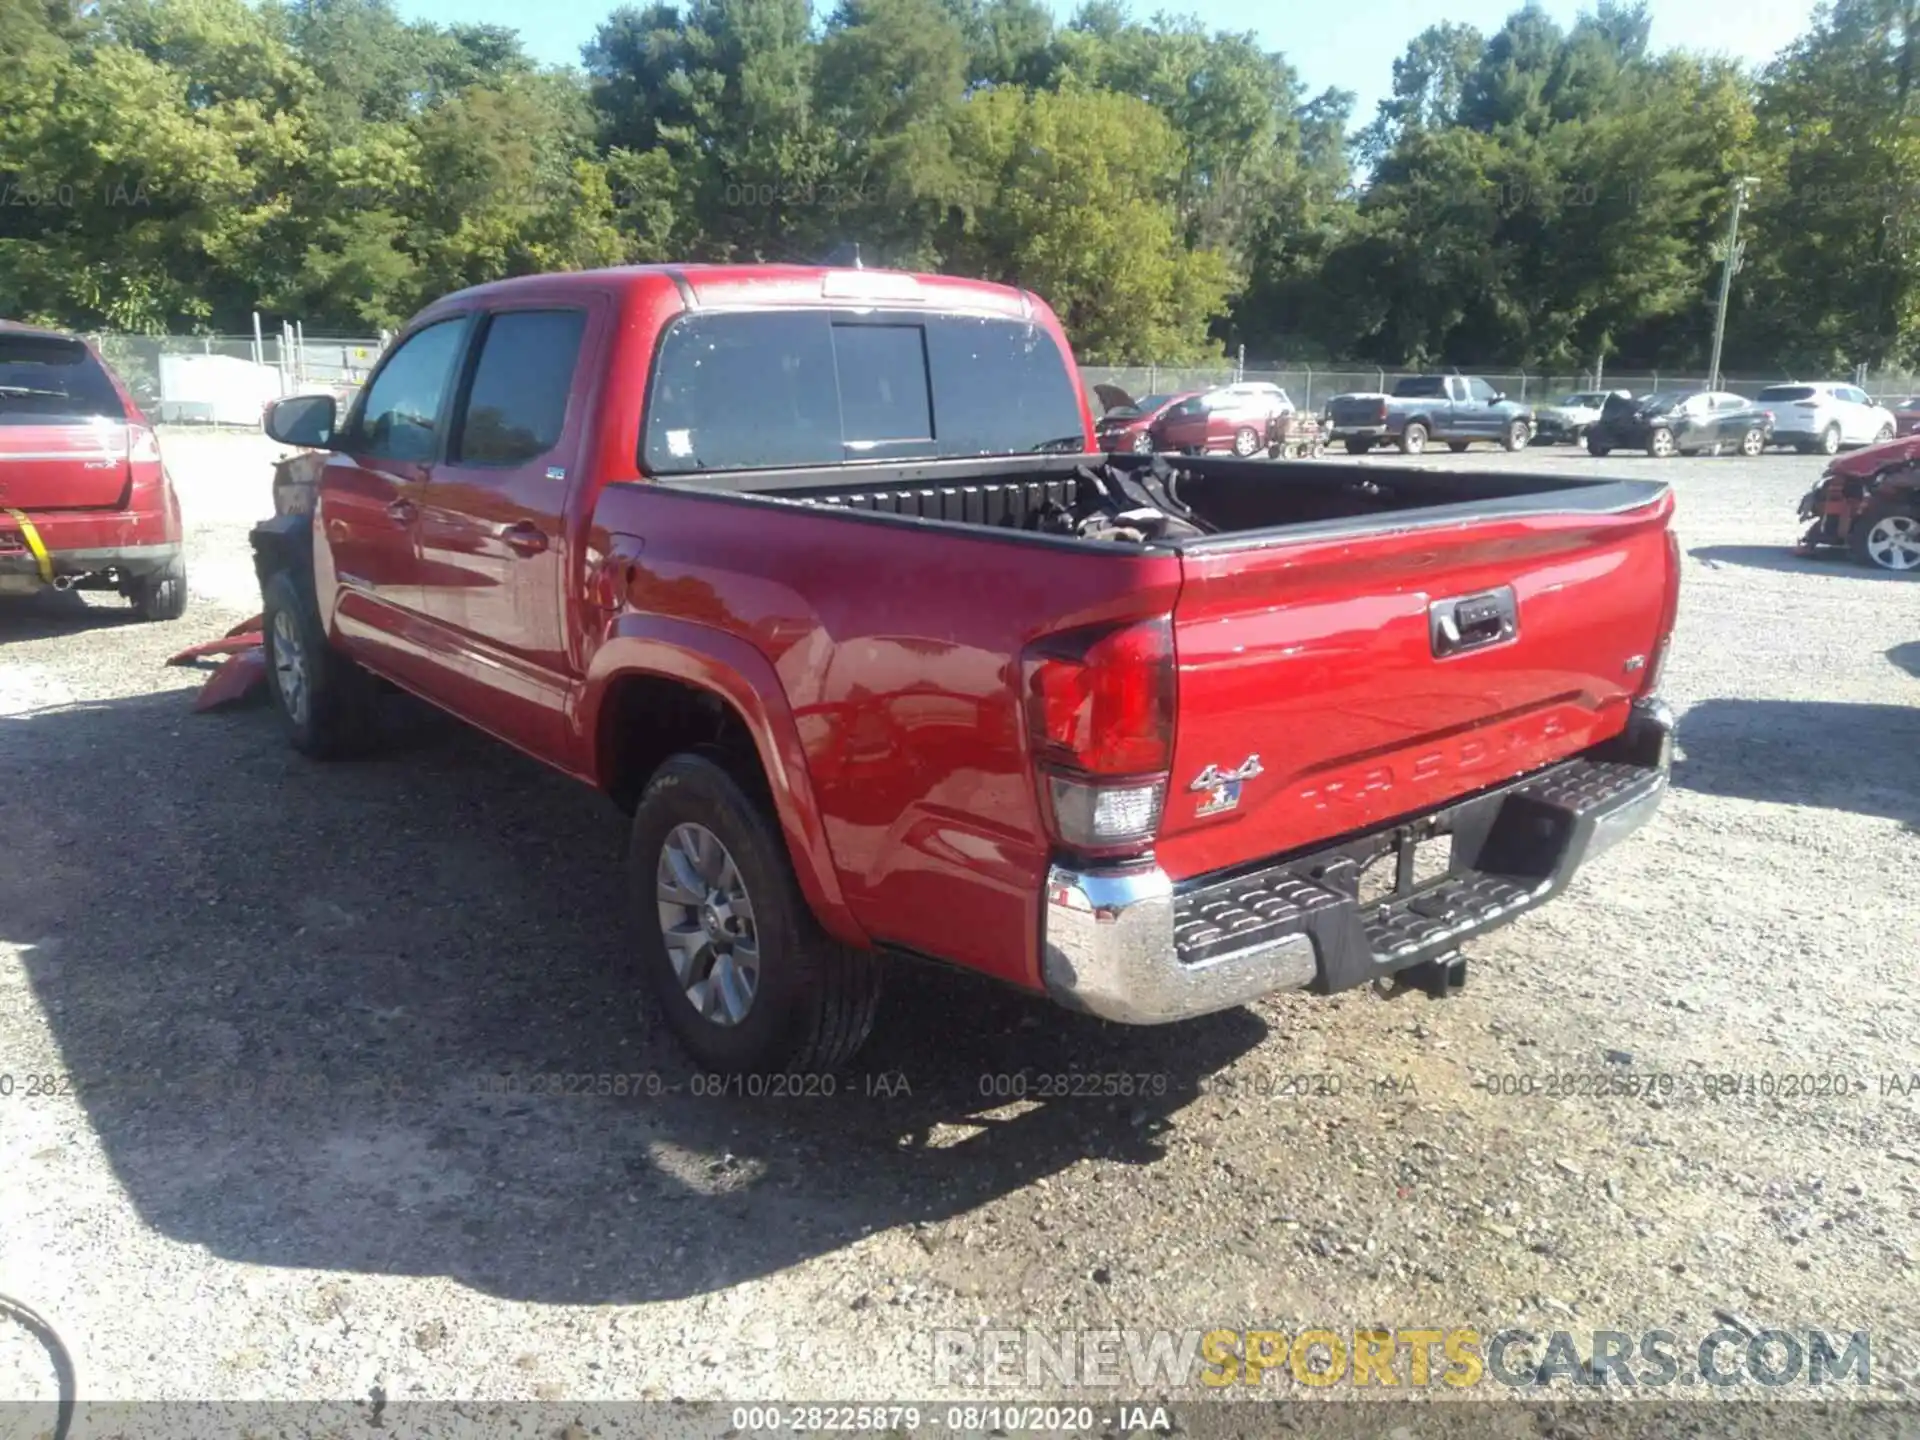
[{"x": 1352, "y": 46}]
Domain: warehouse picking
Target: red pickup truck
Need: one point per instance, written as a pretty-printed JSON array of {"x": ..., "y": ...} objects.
[{"x": 811, "y": 570}]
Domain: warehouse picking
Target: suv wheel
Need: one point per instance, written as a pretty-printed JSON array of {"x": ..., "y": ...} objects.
[
  {"x": 1887, "y": 535},
  {"x": 1830, "y": 440},
  {"x": 1883, "y": 434},
  {"x": 741, "y": 971},
  {"x": 161, "y": 595},
  {"x": 1413, "y": 439},
  {"x": 1246, "y": 440},
  {"x": 328, "y": 704}
]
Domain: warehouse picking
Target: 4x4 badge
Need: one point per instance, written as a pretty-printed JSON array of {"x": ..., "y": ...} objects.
[{"x": 1220, "y": 789}]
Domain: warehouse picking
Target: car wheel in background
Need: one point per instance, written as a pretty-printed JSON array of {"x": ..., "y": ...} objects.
[
  {"x": 1143, "y": 443},
  {"x": 1660, "y": 443},
  {"x": 1883, "y": 434},
  {"x": 1887, "y": 536},
  {"x": 163, "y": 595},
  {"x": 1753, "y": 442},
  {"x": 1413, "y": 439},
  {"x": 745, "y": 977},
  {"x": 1246, "y": 440},
  {"x": 1359, "y": 447},
  {"x": 1519, "y": 435},
  {"x": 1458, "y": 447},
  {"x": 1830, "y": 440}
]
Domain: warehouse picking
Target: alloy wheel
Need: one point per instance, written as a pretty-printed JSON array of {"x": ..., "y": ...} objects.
[
  {"x": 707, "y": 921},
  {"x": 290, "y": 666},
  {"x": 1894, "y": 542}
]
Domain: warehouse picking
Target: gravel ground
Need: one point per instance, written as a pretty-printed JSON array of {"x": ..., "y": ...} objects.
[{"x": 272, "y": 998}]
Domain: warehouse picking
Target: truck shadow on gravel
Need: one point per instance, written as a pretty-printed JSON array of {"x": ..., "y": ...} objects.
[
  {"x": 304, "y": 1008},
  {"x": 1785, "y": 558},
  {"x": 61, "y": 612},
  {"x": 1805, "y": 752}
]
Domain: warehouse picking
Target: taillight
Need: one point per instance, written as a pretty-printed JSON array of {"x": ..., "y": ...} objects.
[
  {"x": 1669, "y": 616},
  {"x": 1380, "y": 413},
  {"x": 143, "y": 446},
  {"x": 1099, "y": 705}
]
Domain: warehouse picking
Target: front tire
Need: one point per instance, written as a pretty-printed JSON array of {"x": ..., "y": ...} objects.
[
  {"x": 1887, "y": 537},
  {"x": 1245, "y": 441},
  {"x": 161, "y": 595},
  {"x": 740, "y": 968},
  {"x": 1660, "y": 443},
  {"x": 1413, "y": 439},
  {"x": 328, "y": 704},
  {"x": 1883, "y": 434},
  {"x": 1519, "y": 435}
]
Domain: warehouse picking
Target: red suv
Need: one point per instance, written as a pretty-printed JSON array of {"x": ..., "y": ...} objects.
[
  {"x": 1130, "y": 424},
  {"x": 1236, "y": 418},
  {"x": 84, "y": 499}
]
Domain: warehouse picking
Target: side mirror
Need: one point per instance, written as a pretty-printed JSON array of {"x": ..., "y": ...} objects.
[
  {"x": 1499, "y": 396},
  {"x": 303, "y": 420}
]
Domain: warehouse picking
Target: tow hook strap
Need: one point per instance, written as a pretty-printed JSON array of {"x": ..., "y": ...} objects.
[{"x": 35, "y": 544}]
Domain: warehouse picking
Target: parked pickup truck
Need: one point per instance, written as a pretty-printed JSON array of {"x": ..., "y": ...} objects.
[
  {"x": 817, "y": 573},
  {"x": 1458, "y": 409}
]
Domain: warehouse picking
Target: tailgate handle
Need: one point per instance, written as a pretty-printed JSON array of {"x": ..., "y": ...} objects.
[{"x": 1471, "y": 622}]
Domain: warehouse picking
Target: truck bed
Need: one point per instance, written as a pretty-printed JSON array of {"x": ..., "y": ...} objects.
[{"x": 1244, "y": 500}]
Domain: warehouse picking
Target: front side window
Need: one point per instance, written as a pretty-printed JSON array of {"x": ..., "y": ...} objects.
[
  {"x": 517, "y": 404},
  {"x": 1480, "y": 391},
  {"x": 400, "y": 417}
]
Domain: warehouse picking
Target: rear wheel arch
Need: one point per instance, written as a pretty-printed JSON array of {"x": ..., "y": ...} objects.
[{"x": 639, "y": 715}]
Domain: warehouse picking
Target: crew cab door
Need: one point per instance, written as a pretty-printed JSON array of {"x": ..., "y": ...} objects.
[
  {"x": 492, "y": 530},
  {"x": 370, "y": 493}
]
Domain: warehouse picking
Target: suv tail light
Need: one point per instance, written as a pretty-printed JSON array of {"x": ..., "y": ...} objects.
[
  {"x": 1099, "y": 705},
  {"x": 143, "y": 446}
]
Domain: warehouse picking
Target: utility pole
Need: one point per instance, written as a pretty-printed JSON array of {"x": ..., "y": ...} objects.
[{"x": 1727, "y": 267}]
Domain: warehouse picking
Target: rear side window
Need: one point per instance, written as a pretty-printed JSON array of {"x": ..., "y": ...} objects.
[
  {"x": 1421, "y": 387},
  {"x": 49, "y": 378},
  {"x": 400, "y": 416},
  {"x": 759, "y": 390},
  {"x": 1787, "y": 392},
  {"x": 517, "y": 404}
]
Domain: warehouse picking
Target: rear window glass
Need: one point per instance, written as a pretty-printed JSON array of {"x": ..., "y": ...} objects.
[
  {"x": 1787, "y": 392},
  {"x": 758, "y": 390},
  {"x": 517, "y": 404},
  {"x": 1421, "y": 387},
  {"x": 45, "y": 377}
]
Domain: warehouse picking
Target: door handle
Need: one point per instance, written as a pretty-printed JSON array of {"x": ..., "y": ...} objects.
[
  {"x": 524, "y": 539},
  {"x": 401, "y": 512}
]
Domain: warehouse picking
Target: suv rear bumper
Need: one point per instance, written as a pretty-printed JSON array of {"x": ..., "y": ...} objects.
[
  {"x": 80, "y": 543},
  {"x": 1126, "y": 944}
]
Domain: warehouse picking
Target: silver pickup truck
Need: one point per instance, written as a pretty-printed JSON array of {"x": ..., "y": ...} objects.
[{"x": 1456, "y": 409}]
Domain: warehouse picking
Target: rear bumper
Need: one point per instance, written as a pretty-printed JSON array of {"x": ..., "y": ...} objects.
[
  {"x": 1126, "y": 944},
  {"x": 1337, "y": 431},
  {"x": 127, "y": 559}
]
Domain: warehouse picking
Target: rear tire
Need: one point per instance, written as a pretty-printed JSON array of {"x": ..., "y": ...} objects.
[
  {"x": 161, "y": 595},
  {"x": 1830, "y": 440},
  {"x": 812, "y": 1000},
  {"x": 1660, "y": 443},
  {"x": 329, "y": 705},
  {"x": 1413, "y": 439},
  {"x": 1359, "y": 447},
  {"x": 1597, "y": 447}
]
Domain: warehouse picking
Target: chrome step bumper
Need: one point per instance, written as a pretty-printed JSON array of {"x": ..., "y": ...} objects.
[{"x": 1126, "y": 944}]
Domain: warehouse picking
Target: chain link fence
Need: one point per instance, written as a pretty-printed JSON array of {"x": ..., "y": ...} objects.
[
  {"x": 1310, "y": 388},
  {"x": 227, "y": 379}
]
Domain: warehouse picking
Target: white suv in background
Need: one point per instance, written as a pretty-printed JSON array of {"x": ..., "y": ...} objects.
[{"x": 1824, "y": 416}]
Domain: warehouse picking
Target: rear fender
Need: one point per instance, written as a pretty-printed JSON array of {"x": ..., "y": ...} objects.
[{"x": 730, "y": 668}]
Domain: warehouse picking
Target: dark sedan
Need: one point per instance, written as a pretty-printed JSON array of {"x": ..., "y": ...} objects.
[{"x": 1681, "y": 422}]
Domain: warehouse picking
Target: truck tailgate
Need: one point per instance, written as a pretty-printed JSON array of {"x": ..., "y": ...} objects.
[{"x": 1317, "y": 655}]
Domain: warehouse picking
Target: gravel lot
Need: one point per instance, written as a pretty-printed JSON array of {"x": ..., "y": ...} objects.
[{"x": 272, "y": 996}]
